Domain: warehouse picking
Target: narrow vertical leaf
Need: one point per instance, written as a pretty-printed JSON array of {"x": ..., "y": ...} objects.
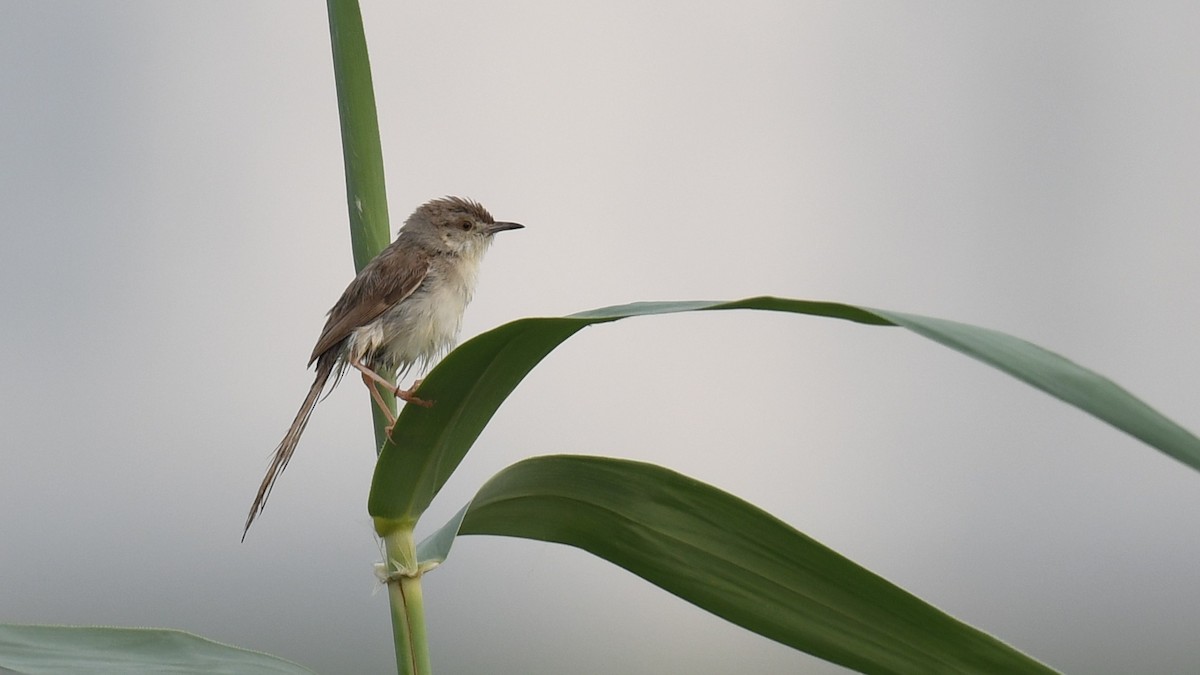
[{"x": 366, "y": 192}]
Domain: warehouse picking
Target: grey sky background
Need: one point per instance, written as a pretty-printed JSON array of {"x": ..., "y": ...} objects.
[{"x": 173, "y": 214}]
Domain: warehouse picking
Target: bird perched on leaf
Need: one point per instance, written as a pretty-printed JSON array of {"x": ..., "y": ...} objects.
[{"x": 404, "y": 309}]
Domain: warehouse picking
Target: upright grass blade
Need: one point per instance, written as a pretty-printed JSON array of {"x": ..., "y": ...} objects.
[
  {"x": 729, "y": 558},
  {"x": 366, "y": 192},
  {"x": 469, "y": 385},
  {"x": 52, "y": 650},
  {"x": 366, "y": 198}
]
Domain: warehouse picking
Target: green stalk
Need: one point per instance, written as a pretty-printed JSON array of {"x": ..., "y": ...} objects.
[
  {"x": 408, "y": 604},
  {"x": 366, "y": 197}
]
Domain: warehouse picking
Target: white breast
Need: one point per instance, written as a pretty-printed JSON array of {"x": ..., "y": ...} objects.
[{"x": 425, "y": 325}]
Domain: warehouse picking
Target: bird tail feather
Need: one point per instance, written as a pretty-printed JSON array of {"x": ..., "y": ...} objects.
[{"x": 283, "y": 453}]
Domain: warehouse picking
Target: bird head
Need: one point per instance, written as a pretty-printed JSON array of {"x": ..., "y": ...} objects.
[{"x": 455, "y": 226}]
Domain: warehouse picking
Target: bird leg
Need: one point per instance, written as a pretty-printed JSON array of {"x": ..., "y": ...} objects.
[
  {"x": 378, "y": 398},
  {"x": 370, "y": 377}
]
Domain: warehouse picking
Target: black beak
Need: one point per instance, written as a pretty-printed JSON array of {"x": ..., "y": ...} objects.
[{"x": 500, "y": 227}]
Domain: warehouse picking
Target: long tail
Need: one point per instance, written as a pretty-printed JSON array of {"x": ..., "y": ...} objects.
[{"x": 283, "y": 453}]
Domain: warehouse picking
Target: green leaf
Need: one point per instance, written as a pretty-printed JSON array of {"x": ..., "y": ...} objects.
[
  {"x": 366, "y": 192},
  {"x": 362, "y": 155},
  {"x": 732, "y": 559},
  {"x": 1055, "y": 375},
  {"x": 434, "y": 549},
  {"x": 52, "y": 650},
  {"x": 469, "y": 385}
]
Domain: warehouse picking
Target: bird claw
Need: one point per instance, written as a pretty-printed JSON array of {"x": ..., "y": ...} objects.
[{"x": 408, "y": 396}]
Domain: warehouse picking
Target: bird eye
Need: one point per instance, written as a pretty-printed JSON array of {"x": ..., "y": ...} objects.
[{"x": 465, "y": 226}]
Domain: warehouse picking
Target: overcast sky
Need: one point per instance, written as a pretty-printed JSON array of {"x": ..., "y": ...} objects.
[{"x": 174, "y": 229}]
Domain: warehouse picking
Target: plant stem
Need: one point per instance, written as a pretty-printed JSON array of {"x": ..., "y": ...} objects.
[{"x": 408, "y": 605}]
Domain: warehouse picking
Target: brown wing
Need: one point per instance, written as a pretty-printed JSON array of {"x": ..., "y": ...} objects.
[{"x": 391, "y": 277}]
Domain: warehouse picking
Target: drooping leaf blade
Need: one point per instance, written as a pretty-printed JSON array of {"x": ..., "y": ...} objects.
[
  {"x": 46, "y": 650},
  {"x": 729, "y": 558},
  {"x": 469, "y": 385},
  {"x": 1061, "y": 378}
]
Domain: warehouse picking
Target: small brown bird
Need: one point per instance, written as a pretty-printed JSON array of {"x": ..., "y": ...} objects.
[{"x": 403, "y": 309}]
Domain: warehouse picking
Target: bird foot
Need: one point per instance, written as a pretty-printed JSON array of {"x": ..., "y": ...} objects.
[{"x": 408, "y": 396}]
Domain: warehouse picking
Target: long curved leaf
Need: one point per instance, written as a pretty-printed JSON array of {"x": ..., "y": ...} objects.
[
  {"x": 729, "y": 558},
  {"x": 36, "y": 650},
  {"x": 469, "y": 385}
]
